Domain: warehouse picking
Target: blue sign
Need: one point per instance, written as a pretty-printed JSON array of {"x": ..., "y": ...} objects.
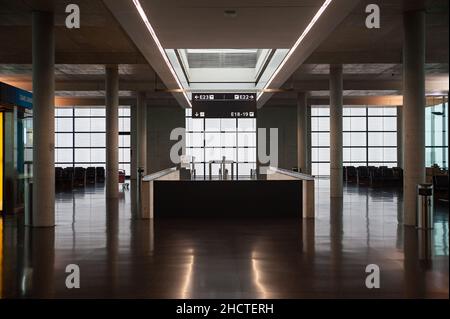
[{"x": 11, "y": 95}]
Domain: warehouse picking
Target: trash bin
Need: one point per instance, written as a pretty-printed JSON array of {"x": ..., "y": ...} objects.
[{"x": 425, "y": 206}]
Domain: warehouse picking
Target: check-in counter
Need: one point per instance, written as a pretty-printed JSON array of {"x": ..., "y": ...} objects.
[
  {"x": 147, "y": 189},
  {"x": 279, "y": 193},
  {"x": 307, "y": 187}
]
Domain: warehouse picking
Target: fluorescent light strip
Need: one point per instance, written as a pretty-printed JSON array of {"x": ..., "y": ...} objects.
[
  {"x": 141, "y": 11},
  {"x": 297, "y": 43}
]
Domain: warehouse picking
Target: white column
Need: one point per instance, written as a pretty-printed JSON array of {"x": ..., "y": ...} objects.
[
  {"x": 336, "y": 131},
  {"x": 43, "y": 120},
  {"x": 112, "y": 131},
  {"x": 413, "y": 111}
]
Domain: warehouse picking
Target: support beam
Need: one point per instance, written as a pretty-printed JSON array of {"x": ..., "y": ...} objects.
[
  {"x": 336, "y": 131},
  {"x": 302, "y": 132},
  {"x": 43, "y": 47},
  {"x": 112, "y": 131},
  {"x": 413, "y": 110}
]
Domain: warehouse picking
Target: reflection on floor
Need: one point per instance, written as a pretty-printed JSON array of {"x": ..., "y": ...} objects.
[{"x": 122, "y": 257}]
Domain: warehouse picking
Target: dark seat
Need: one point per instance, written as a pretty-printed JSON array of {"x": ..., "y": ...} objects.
[
  {"x": 352, "y": 174},
  {"x": 90, "y": 175},
  {"x": 398, "y": 175},
  {"x": 440, "y": 185},
  {"x": 376, "y": 177},
  {"x": 363, "y": 175},
  {"x": 79, "y": 177},
  {"x": 59, "y": 171},
  {"x": 100, "y": 174},
  {"x": 344, "y": 173},
  {"x": 67, "y": 178}
]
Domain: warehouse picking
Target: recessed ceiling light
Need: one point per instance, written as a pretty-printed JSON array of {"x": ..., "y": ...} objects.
[{"x": 230, "y": 13}]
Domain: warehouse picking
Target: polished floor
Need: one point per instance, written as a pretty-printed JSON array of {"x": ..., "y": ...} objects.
[{"x": 120, "y": 257}]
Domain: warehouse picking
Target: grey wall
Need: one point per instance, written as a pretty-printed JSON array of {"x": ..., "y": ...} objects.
[
  {"x": 160, "y": 122},
  {"x": 285, "y": 119}
]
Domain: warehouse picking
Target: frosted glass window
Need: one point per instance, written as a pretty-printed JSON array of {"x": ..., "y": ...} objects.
[
  {"x": 82, "y": 112},
  {"x": 229, "y": 153},
  {"x": 98, "y": 125},
  {"x": 228, "y": 125},
  {"x": 321, "y": 154},
  {"x": 383, "y": 124},
  {"x": 98, "y": 112},
  {"x": 320, "y": 139},
  {"x": 247, "y": 139},
  {"x": 98, "y": 139},
  {"x": 213, "y": 154},
  {"x": 197, "y": 153},
  {"x": 61, "y": 111},
  {"x": 98, "y": 155},
  {"x": 63, "y": 155},
  {"x": 63, "y": 125},
  {"x": 82, "y": 155},
  {"x": 320, "y": 124},
  {"x": 354, "y": 139},
  {"x": 212, "y": 125},
  {"x": 197, "y": 125},
  {"x": 357, "y": 124},
  {"x": 390, "y": 154},
  {"x": 212, "y": 139},
  {"x": 320, "y": 111},
  {"x": 376, "y": 154},
  {"x": 247, "y": 125},
  {"x": 247, "y": 154},
  {"x": 196, "y": 139},
  {"x": 82, "y": 125},
  {"x": 357, "y": 154},
  {"x": 64, "y": 139},
  {"x": 82, "y": 140},
  {"x": 124, "y": 155},
  {"x": 124, "y": 140},
  {"x": 244, "y": 169},
  {"x": 228, "y": 139},
  {"x": 124, "y": 111},
  {"x": 124, "y": 124}
]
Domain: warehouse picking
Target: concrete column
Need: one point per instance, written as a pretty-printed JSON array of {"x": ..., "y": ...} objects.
[
  {"x": 112, "y": 131},
  {"x": 138, "y": 145},
  {"x": 308, "y": 140},
  {"x": 134, "y": 160},
  {"x": 335, "y": 130},
  {"x": 43, "y": 50},
  {"x": 399, "y": 136},
  {"x": 413, "y": 110},
  {"x": 302, "y": 132},
  {"x": 142, "y": 131}
]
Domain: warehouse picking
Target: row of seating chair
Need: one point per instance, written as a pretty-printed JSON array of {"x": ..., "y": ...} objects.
[
  {"x": 440, "y": 187},
  {"x": 71, "y": 177},
  {"x": 373, "y": 176}
]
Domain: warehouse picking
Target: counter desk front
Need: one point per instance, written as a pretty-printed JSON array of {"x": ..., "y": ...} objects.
[{"x": 280, "y": 193}]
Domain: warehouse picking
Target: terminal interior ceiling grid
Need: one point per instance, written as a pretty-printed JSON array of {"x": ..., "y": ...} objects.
[{"x": 224, "y": 149}]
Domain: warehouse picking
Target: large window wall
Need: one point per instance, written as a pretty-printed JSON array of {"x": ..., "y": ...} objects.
[
  {"x": 436, "y": 136},
  {"x": 80, "y": 137},
  {"x": 369, "y": 137},
  {"x": 211, "y": 139}
]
